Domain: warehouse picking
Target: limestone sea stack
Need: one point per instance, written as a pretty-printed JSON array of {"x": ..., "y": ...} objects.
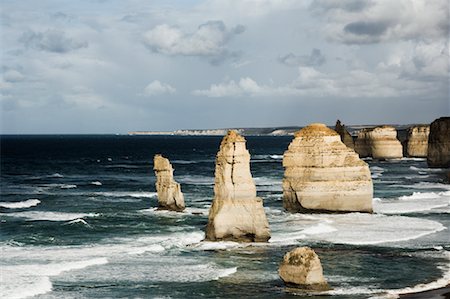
[
  {"x": 417, "y": 142},
  {"x": 236, "y": 213},
  {"x": 322, "y": 174},
  {"x": 379, "y": 142},
  {"x": 346, "y": 138},
  {"x": 169, "y": 191},
  {"x": 301, "y": 267},
  {"x": 385, "y": 144},
  {"x": 439, "y": 143}
]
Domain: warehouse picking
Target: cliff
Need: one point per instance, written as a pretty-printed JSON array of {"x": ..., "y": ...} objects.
[{"x": 439, "y": 143}]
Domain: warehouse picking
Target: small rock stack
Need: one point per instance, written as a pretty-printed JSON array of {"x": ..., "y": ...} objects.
[{"x": 169, "y": 192}]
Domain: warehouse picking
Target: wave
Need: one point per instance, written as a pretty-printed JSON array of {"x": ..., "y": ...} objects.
[
  {"x": 48, "y": 216},
  {"x": 68, "y": 186},
  {"x": 56, "y": 175},
  {"x": 125, "y": 166},
  {"x": 34, "y": 279},
  {"x": 79, "y": 221},
  {"x": 20, "y": 204},
  {"x": 135, "y": 194},
  {"x": 352, "y": 228},
  {"x": 426, "y": 169},
  {"x": 96, "y": 183}
]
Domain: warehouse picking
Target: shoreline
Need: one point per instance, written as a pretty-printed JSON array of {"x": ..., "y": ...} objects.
[{"x": 439, "y": 293}]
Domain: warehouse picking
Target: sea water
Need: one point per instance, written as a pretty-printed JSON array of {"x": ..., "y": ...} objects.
[{"x": 79, "y": 220}]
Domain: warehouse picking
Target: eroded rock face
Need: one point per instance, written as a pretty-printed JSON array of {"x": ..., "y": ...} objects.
[
  {"x": 169, "y": 192},
  {"x": 379, "y": 143},
  {"x": 301, "y": 267},
  {"x": 236, "y": 213},
  {"x": 346, "y": 138},
  {"x": 417, "y": 143},
  {"x": 322, "y": 174},
  {"x": 439, "y": 143}
]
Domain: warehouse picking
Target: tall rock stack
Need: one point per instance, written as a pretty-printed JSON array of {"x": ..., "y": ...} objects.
[
  {"x": 346, "y": 138},
  {"x": 439, "y": 143},
  {"x": 379, "y": 143},
  {"x": 236, "y": 213},
  {"x": 169, "y": 191},
  {"x": 323, "y": 174},
  {"x": 417, "y": 142}
]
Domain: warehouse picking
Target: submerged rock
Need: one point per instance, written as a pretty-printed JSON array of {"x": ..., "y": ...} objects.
[
  {"x": 301, "y": 267},
  {"x": 346, "y": 138},
  {"x": 379, "y": 143},
  {"x": 417, "y": 142},
  {"x": 236, "y": 213},
  {"x": 439, "y": 143},
  {"x": 169, "y": 192},
  {"x": 322, "y": 174}
]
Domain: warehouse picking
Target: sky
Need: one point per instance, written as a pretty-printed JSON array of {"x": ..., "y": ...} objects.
[{"x": 94, "y": 66}]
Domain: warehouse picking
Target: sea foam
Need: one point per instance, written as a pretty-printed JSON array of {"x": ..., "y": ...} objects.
[{"x": 20, "y": 204}]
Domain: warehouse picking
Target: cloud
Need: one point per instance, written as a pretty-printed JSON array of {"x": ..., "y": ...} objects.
[
  {"x": 383, "y": 21},
  {"x": 158, "y": 88},
  {"x": 385, "y": 82},
  {"x": 13, "y": 76},
  {"x": 208, "y": 40},
  {"x": 51, "y": 40},
  {"x": 316, "y": 58},
  {"x": 323, "y": 6}
]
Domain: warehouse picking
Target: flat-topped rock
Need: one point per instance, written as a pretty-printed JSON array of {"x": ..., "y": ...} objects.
[
  {"x": 301, "y": 268},
  {"x": 236, "y": 213},
  {"x": 379, "y": 142},
  {"x": 323, "y": 174},
  {"x": 417, "y": 141},
  {"x": 169, "y": 192},
  {"x": 439, "y": 143}
]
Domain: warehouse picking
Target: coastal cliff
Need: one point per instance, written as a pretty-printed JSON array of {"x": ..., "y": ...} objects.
[
  {"x": 323, "y": 174},
  {"x": 236, "y": 213},
  {"x": 439, "y": 143}
]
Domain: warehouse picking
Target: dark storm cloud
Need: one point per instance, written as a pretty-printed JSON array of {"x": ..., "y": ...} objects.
[
  {"x": 316, "y": 58},
  {"x": 51, "y": 40},
  {"x": 367, "y": 28}
]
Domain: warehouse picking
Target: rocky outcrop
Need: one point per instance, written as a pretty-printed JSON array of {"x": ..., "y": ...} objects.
[
  {"x": 169, "y": 191},
  {"x": 346, "y": 138},
  {"x": 322, "y": 174},
  {"x": 301, "y": 267},
  {"x": 379, "y": 143},
  {"x": 236, "y": 213},
  {"x": 439, "y": 143},
  {"x": 417, "y": 141}
]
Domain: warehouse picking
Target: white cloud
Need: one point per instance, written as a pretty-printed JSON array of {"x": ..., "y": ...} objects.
[
  {"x": 313, "y": 83},
  {"x": 158, "y": 88},
  {"x": 375, "y": 21},
  {"x": 208, "y": 40}
]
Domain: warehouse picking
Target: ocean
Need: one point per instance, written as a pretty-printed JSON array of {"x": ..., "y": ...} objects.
[{"x": 79, "y": 220}]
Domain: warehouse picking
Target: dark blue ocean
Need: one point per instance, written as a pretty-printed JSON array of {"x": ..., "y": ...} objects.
[{"x": 79, "y": 220}]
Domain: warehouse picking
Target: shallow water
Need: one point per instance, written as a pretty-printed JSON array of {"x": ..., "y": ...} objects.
[{"x": 79, "y": 220}]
